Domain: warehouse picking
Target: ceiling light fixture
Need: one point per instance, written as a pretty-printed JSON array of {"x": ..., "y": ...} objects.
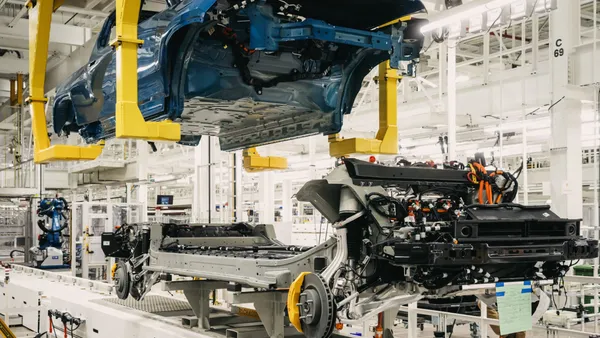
[
  {"x": 470, "y": 13},
  {"x": 463, "y": 12}
]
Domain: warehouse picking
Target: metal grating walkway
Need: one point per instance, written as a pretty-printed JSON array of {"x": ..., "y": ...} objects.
[{"x": 150, "y": 304}]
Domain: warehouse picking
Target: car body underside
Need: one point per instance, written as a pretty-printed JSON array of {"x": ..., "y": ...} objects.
[
  {"x": 401, "y": 233},
  {"x": 249, "y": 74}
]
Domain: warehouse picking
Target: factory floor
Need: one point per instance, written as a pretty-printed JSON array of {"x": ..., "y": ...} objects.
[{"x": 462, "y": 331}]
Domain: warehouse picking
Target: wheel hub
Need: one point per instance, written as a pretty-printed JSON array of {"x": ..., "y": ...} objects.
[
  {"x": 122, "y": 281},
  {"x": 316, "y": 307},
  {"x": 310, "y": 306}
]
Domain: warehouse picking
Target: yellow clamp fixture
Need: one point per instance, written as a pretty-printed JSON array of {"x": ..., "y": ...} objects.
[
  {"x": 40, "y": 17},
  {"x": 386, "y": 141},
  {"x": 113, "y": 270},
  {"x": 130, "y": 122},
  {"x": 393, "y": 22},
  {"x": 293, "y": 299},
  {"x": 253, "y": 162}
]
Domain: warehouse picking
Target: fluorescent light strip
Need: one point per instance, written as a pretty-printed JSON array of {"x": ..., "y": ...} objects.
[{"x": 462, "y": 12}]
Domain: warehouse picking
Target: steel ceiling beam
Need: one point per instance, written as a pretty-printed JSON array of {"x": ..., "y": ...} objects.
[
  {"x": 59, "y": 33},
  {"x": 11, "y": 65},
  {"x": 77, "y": 59},
  {"x": 4, "y": 89},
  {"x": 66, "y": 9},
  {"x": 17, "y": 17},
  {"x": 91, "y": 4}
]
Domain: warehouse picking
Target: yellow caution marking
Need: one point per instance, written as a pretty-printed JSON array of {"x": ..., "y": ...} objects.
[{"x": 5, "y": 331}]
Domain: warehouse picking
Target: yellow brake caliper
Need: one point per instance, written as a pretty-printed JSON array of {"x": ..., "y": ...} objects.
[{"x": 292, "y": 301}]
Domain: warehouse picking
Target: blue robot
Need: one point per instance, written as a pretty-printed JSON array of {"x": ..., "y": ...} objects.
[{"x": 49, "y": 252}]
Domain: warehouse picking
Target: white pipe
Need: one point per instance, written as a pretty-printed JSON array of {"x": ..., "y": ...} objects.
[
  {"x": 393, "y": 302},
  {"x": 524, "y": 173},
  {"x": 535, "y": 41},
  {"x": 442, "y": 63},
  {"x": 452, "y": 45},
  {"x": 501, "y": 131},
  {"x": 341, "y": 254},
  {"x": 68, "y": 9},
  {"x": 488, "y": 57},
  {"x": 462, "y": 12},
  {"x": 350, "y": 219},
  {"x": 596, "y": 158},
  {"x": 347, "y": 300}
]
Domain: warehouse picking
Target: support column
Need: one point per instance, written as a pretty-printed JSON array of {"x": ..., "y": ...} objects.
[
  {"x": 201, "y": 194},
  {"x": 199, "y": 301},
  {"x": 108, "y": 193},
  {"x": 265, "y": 193},
  {"x": 535, "y": 41},
  {"x": 525, "y": 172},
  {"x": 286, "y": 212},
  {"x": 312, "y": 150},
  {"x": 128, "y": 196},
  {"x": 452, "y": 44},
  {"x": 486, "y": 59},
  {"x": 19, "y": 137},
  {"x": 412, "y": 320},
  {"x": 240, "y": 214},
  {"x": 442, "y": 66},
  {"x": 565, "y": 143},
  {"x": 389, "y": 316},
  {"x": 142, "y": 175},
  {"x": 213, "y": 168}
]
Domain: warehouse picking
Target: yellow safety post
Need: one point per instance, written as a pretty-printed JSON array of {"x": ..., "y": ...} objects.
[
  {"x": 386, "y": 141},
  {"x": 17, "y": 159},
  {"x": 13, "y": 93},
  {"x": 19, "y": 89},
  {"x": 253, "y": 162},
  {"x": 130, "y": 122},
  {"x": 40, "y": 18}
]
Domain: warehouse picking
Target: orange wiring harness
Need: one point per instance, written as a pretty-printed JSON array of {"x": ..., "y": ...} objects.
[{"x": 479, "y": 176}]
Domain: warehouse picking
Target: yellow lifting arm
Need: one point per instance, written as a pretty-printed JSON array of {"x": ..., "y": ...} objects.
[
  {"x": 386, "y": 141},
  {"x": 253, "y": 162},
  {"x": 40, "y": 17},
  {"x": 130, "y": 122}
]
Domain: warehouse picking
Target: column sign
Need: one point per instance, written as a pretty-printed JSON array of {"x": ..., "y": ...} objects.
[{"x": 558, "y": 48}]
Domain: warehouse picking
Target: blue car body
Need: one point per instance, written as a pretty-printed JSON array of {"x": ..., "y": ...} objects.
[{"x": 200, "y": 72}]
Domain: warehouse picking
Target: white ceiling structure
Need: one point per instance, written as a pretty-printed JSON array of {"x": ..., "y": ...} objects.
[{"x": 491, "y": 69}]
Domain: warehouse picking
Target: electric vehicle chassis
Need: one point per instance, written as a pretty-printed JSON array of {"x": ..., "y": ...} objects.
[{"x": 401, "y": 234}]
